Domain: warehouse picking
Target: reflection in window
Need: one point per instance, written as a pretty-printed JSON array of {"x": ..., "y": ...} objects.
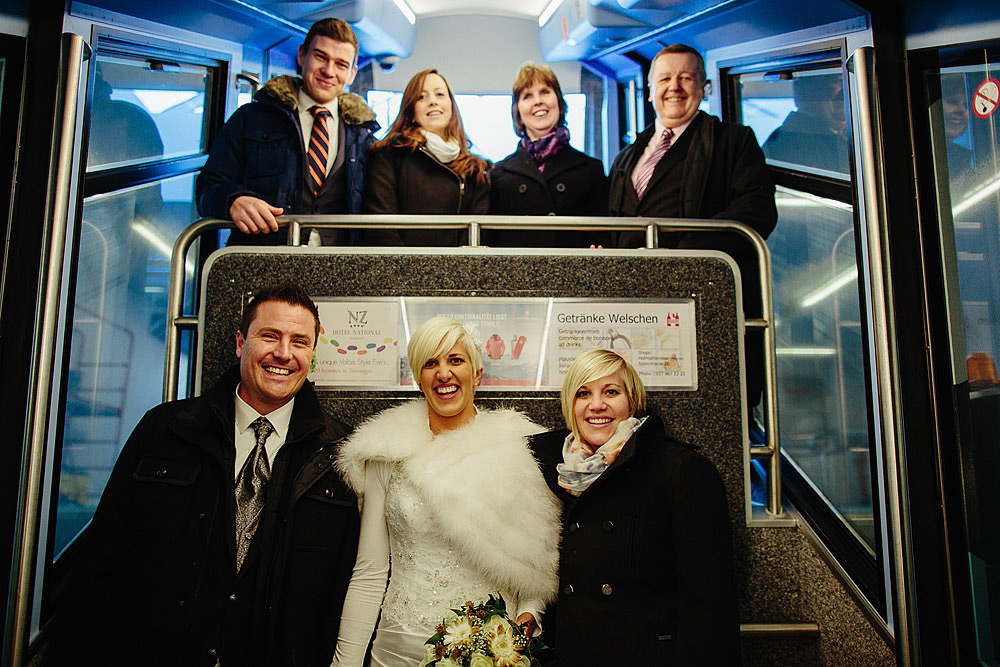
[
  {"x": 116, "y": 358},
  {"x": 486, "y": 119},
  {"x": 820, "y": 360},
  {"x": 801, "y": 118},
  {"x": 144, "y": 110}
]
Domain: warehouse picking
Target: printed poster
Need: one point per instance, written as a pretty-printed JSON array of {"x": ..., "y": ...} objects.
[
  {"x": 510, "y": 330},
  {"x": 358, "y": 344},
  {"x": 657, "y": 338}
]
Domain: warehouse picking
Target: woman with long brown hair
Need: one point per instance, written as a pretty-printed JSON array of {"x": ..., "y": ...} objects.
[{"x": 423, "y": 165}]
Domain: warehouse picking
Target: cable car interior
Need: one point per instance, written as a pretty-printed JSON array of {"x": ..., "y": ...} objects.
[{"x": 878, "y": 124}]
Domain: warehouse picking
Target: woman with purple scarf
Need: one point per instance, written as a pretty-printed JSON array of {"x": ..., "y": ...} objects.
[{"x": 545, "y": 175}]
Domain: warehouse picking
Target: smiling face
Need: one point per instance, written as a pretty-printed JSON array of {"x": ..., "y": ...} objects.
[
  {"x": 677, "y": 88},
  {"x": 327, "y": 66},
  {"x": 432, "y": 110},
  {"x": 449, "y": 382},
  {"x": 538, "y": 105},
  {"x": 275, "y": 355},
  {"x": 598, "y": 407}
]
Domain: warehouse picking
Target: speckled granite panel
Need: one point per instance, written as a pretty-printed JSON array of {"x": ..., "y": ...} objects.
[{"x": 779, "y": 575}]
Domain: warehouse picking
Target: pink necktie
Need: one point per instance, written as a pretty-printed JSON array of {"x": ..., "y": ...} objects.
[{"x": 645, "y": 171}]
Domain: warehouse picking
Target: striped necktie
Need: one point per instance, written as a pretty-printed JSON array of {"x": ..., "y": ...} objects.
[
  {"x": 645, "y": 171},
  {"x": 251, "y": 488},
  {"x": 319, "y": 148}
]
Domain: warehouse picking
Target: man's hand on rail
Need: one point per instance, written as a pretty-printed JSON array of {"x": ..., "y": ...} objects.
[{"x": 253, "y": 215}]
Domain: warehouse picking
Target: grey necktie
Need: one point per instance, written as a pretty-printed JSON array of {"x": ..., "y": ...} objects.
[{"x": 251, "y": 490}]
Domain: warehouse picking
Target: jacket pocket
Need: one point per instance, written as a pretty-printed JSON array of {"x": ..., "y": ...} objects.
[
  {"x": 323, "y": 515},
  {"x": 267, "y": 152},
  {"x": 163, "y": 496}
]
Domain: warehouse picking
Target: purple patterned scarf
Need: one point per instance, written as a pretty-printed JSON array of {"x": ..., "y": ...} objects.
[{"x": 542, "y": 149}]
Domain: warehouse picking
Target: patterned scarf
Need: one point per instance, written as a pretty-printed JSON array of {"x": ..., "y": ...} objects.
[
  {"x": 542, "y": 149},
  {"x": 582, "y": 465}
]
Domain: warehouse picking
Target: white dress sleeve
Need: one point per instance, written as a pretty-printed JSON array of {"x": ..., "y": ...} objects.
[{"x": 371, "y": 572}]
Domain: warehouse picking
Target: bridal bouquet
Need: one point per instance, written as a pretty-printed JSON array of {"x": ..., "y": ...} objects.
[{"x": 481, "y": 635}]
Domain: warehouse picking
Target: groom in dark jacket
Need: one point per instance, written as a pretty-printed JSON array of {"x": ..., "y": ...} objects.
[
  {"x": 224, "y": 535},
  {"x": 277, "y": 155}
]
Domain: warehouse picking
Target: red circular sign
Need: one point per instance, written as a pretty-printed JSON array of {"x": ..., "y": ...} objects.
[{"x": 986, "y": 98}]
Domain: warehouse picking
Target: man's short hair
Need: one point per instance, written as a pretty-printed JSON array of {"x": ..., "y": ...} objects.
[
  {"x": 337, "y": 30},
  {"x": 289, "y": 293},
  {"x": 682, "y": 48}
]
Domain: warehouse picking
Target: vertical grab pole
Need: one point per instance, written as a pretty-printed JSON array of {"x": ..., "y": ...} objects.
[
  {"x": 873, "y": 179},
  {"x": 74, "y": 52}
]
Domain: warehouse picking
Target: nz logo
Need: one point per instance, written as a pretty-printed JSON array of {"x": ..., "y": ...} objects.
[{"x": 357, "y": 318}]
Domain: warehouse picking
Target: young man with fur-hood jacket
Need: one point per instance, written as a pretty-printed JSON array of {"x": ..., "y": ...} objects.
[{"x": 300, "y": 147}]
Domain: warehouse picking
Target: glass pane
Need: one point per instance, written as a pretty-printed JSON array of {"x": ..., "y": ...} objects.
[
  {"x": 118, "y": 333},
  {"x": 486, "y": 119},
  {"x": 963, "y": 124},
  {"x": 819, "y": 342},
  {"x": 803, "y": 117},
  {"x": 145, "y": 110}
]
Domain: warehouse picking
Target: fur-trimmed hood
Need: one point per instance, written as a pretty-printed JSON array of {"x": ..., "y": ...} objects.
[
  {"x": 284, "y": 90},
  {"x": 482, "y": 485}
]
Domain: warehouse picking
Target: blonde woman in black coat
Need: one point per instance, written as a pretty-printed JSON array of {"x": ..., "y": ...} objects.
[
  {"x": 545, "y": 175},
  {"x": 423, "y": 166},
  {"x": 645, "y": 572}
]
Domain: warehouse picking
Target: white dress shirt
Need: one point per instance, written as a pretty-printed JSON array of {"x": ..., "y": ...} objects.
[
  {"x": 246, "y": 439},
  {"x": 654, "y": 140},
  {"x": 332, "y": 124}
]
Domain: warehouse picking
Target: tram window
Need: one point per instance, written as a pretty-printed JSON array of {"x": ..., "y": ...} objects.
[
  {"x": 825, "y": 420},
  {"x": 118, "y": 334},
  {"x": 486, "y": 119},
  {"x": 146, "y": 109},
  {"x": 961, "y": 97},
  {"x": 800, "y": 118}
]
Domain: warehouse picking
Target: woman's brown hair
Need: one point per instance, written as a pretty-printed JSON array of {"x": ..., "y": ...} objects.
[
  {"x": 527, "y": 76},
  {"x": 405, "y": 132}
]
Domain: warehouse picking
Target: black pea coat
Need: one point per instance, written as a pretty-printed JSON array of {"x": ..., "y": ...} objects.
[
  {"x": 157, "y": 583},
  {"x": 572, "y": 184},
  {"x": 400, "y": 180},
  {"x": 645, "y": 569}
]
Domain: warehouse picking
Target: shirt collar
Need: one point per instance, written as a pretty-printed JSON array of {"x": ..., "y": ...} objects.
[
  {"x": 660, "y": 127},
  {"x": 280, "y": 418},
  {"x": 306, "y": 103}
]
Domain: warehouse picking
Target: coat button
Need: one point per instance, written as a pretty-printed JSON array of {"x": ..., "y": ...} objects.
[
  {"x": 212, "y": 653},
  {"x": 328, "y": 493},
  {"x": 232, "y": 597},
  {"x": 552, "y": 213},
  {"x": 522, "y": 188},
  {"x": 180, "y": 603},
  {"x": 606, "y": 590},
  {"x": 568, "y": 589},
  {"x": 162, "y": 472},
  {"x": 320, "y": 465},
  {"x": 573, "y": 527},
  {"x": 608, "y": 526},
  {"x": 560, "y": 187}
]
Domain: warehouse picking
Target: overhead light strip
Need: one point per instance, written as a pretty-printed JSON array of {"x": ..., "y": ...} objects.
[
  {"x": 831, "y": 287},
  {"x": 547, "y": 13},
  {"x": 407, "y": 12}
]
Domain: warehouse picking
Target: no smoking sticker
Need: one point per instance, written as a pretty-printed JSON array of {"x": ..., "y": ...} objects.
[{"x": 986, "y": 98}]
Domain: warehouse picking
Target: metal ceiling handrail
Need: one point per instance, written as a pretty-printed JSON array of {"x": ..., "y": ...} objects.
[{"x": 769, "y": 452}]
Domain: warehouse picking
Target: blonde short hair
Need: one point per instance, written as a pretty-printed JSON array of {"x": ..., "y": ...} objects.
[
  {"x": 435, "y": 337},
  {"x": 595, "y": 364}
]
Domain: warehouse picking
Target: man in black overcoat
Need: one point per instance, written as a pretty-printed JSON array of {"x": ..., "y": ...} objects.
[
  {"x": 224, "y": 536},
  {"x": 709, "y": 169}
]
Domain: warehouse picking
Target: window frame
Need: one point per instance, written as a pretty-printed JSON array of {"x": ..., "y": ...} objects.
[{"x": 866, "y": 567}]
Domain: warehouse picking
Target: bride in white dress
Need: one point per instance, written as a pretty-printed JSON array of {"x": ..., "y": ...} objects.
[{"x": 451, "y": 497}]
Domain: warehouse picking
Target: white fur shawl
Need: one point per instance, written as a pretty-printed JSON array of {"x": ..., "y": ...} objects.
[{"x": 482, "y": 484}]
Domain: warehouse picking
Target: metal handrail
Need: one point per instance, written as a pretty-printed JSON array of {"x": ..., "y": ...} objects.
[{"x": 651, "y": 226}]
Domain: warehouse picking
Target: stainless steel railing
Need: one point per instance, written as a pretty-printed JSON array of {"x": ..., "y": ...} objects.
[{"x": 768, "y": 452}]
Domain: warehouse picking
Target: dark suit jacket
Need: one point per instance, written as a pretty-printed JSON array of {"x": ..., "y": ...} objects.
[
  {"x": 572, "y": 184},
  {"x": 157, "y": 583},
  {"x": 645, "y": 571}
]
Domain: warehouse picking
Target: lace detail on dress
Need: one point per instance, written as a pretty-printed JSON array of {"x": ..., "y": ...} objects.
[{"x": 428, "y": 576}]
